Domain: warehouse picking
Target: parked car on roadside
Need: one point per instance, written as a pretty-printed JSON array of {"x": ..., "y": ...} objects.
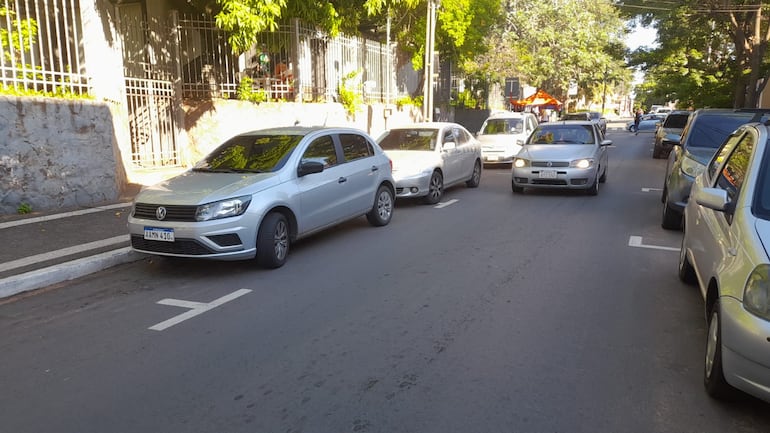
[
  {"x": 562, "y": 155},
  {"x": 648, "y": 123},
  {"x": 599, "y": 119},
  {"x": 502, "y": 135},
  {"x": 668, "y": 133},
  {"x": 430, "y": 157},
  {"x": 258, "y": 192},
  {"x": 704, "y": 132},
  {"x": 725, "y": 251}
]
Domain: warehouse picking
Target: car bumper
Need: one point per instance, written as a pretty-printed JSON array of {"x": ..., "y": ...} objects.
[
  {"x": 412, "y": 186},
  {"x": 499, "y": 156},
  {"x": 566, "y": 178},
  {"x": 223, "y": 239},
  {"x": 745, "y": 349},
  {"x": 678, "y": 190}
]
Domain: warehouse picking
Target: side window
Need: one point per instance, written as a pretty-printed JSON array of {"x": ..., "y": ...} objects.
[
  {"x": 355, "y": 146},
  {"x": 734, "y": 172},
  {"x": 321, "y": 150},
  {"x": 462, "y": 138},
  {"x": 448, "y": 136},
  {"x": 723, "y": 152}
]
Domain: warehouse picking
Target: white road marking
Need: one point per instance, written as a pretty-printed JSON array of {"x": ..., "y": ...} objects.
[
  {"x": 636, "y": 241},
  {"x": 196, "y": 308},
  {"x": 651, "y": 189},
  {"x": 61, "y": 215},
  {"x": 26, "y": 261},
  {"x": 444, "y": 204}
]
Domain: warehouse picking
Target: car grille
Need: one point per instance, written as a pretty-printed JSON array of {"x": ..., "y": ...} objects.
[
  {"x": 549, "y": 182},
  {"x": 173, "y": 212},
  {"x": 180, "y": 246},
  {"x": 553, "y": 164},
  {"x": 227, "y": 240},
  {"x": 399, "y": 190}
]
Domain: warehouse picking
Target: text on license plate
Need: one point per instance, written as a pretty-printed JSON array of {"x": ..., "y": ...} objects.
[
  {"x": 492, "y": 158},
  {"x": 548, "y": 174},
  {"x": 159, "y": 234}
]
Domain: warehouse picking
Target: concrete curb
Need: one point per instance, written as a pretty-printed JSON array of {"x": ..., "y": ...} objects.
[{"x": 66, "y": 271}]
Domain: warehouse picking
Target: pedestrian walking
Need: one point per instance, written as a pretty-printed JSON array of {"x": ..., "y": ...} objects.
[{"x": 637, "y": 120}]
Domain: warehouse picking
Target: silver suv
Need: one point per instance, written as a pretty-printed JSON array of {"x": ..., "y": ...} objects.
[
  {"x": 704, "y": 132},
  {"x": 503, "y": 134}
]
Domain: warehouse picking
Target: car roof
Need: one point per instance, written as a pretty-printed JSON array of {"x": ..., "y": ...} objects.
[
  {"x": 513, "y": 114},
  {"x": 567, "y": 122},
  {"x": 300, "y": 130}
]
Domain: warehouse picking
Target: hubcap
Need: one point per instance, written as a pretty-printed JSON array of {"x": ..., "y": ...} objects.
[
  {"x": 280, "y": 240},
  {"x": 435, "y": 187},
  {"x": 384, "y": 205},
  {"x": 711, "y": 343},
  {"x": 476, "y": 173}
]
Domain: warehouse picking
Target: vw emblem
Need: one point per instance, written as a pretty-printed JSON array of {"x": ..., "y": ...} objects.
[
  {"x": 548, "y": 164},
  {"x": 160, "y": 213}
]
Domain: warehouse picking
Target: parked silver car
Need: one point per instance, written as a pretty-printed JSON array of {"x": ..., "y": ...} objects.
[
  {"x": 725, "y": 250},
  {"x": 260, "y": 191},
  {"x": 431, "y": 156},
  {"x": 568, "y": 154},
  {"x": 503, "y": 134}
]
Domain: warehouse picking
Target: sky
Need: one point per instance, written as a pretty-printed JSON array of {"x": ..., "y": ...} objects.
[{"x": 641, "y": 36}]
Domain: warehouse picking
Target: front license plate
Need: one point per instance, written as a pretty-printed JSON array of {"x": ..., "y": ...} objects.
[
  {"x": 159, "y": 234},
  {"x": 492, "y": 158},
  {"x": 548, "y": 174}
]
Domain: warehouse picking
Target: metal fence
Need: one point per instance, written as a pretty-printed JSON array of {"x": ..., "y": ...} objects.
[{"x": 40, "y": 46}]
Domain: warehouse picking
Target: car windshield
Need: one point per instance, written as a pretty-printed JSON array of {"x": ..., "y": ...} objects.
[
  {"x": 250, "y": 154},
  {"x": 676, "y": 121},
  {"x": 563, "y": 134},
  {"x": 503, "y": 126},
  {"x": 409, "y": 139},
  {"x": 711, "y": 129}
]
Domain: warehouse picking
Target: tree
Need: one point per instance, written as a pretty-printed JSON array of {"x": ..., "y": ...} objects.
[{"x": 727, "y": 48}]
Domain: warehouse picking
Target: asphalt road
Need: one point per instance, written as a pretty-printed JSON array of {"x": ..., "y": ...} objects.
[{"x": 492, "y": 312}]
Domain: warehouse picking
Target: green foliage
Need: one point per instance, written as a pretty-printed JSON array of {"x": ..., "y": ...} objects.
[
  {"x": 403, "y": 101},
  {"x": 60, "y": 92},
  {"x": 244, "y": 19},
  {"x": 246, "y": 91},
  {"x": 350, "y": 96},
  {"x": 24, "y": 33},
  {"x": 24, "y": 208}
]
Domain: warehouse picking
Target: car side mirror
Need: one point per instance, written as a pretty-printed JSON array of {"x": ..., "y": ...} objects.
[
  {"x": 606, "y": 143},
  {"x": 448, "y": 145},
  {"x": 712, "y": 198},
  {"x": 309, "y": 167}
]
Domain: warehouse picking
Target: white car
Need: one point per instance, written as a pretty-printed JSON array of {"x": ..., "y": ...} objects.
[
  {"x": 259, "y": 191},
  {"x": 725, "y": 249},
  {"x": 502, "y": 135},
  {"x": 431, "y": 156},
  {"x": 569, "y": 154}
]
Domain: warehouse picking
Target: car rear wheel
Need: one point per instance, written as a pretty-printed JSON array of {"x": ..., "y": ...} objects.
[
  {"x": 657, "y": 152},
  {"x": 713, "y": 374},
  {"x": 475, "y": 179},
  {"x": 686, "y": 271},
  {"x": 273, "y": 241},
  {"x": 382, "y": 210},
  {"x": 435, "y": 188}
]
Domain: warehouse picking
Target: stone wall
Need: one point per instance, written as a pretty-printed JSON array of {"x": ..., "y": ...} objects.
[{"x": 57, "y": 154}]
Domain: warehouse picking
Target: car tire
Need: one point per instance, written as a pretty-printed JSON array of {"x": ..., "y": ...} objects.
[
  {"x": 382, "y": 209},
  {"x": 713, "y": 374},
  {"x": 594, "y": 188},
  {"x": 657, "y": 152},
  {"x": 435, "y": 188},
  {"x": 516, "y": 189},
  {"x": 671, "y": 219},
  {"x": 686, "y": 271},
  {"x": 475, "y": 179},
  {"x": 273, "y": 241},
  {"x": 603, "y": 177}
]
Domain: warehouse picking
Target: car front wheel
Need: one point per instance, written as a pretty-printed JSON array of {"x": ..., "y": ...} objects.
[
  {"x": 435, "y": 188},
  {"x": 671, "y": 219},
  {"x": 273, "y": 241},
  {"x": 382, "y": 210},
  {"x": 713, "y": 375}
]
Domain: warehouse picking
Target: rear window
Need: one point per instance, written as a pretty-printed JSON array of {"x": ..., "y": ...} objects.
[
  {"x": 563, "y": 134},
  {"x": 711, "y": 130},
  {"x": 676, "y": 121},
  {"x": 409, "y": 139}
]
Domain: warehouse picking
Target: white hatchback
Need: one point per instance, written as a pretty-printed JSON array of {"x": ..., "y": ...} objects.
[{"x": 502, "y": 135}]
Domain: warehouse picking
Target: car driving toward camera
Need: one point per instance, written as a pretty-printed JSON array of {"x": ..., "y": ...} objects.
[{"x": 260, "y": 191}]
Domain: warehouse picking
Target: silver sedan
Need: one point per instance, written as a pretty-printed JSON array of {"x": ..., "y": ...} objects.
[
  {"x": 725, "y": 251},
  {"x": 429, "y": 157},
  {"x": 259, "y": 191},
  {"x": 562, "y": 155}
]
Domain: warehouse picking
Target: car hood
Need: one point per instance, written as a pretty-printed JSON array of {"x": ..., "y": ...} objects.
[
  {"x": 194, "y": 188},
  {"x": 499, "y": 140},
  {"x": 412, "y": 160},
  {"x": 557, "y": 152},
  {"x": 701, "y": 154}
]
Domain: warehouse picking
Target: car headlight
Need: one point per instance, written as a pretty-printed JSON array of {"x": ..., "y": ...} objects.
[
  {"x": 691, "y": 167},
  {"x": 223, "y": 209},
  {"x": 756, "y": 295},
  {"x": 520, "y": 162},
  {"x": 582, "y": 163}
]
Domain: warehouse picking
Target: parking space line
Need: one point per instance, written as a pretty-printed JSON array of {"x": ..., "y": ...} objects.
[
  {"x": 636, "y": 241},
  {"x": 196, "y": 308},
  {"x": 651, "y": 189},
  {"x": 444, "y": 204}
]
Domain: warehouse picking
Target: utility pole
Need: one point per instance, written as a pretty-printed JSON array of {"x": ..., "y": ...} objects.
[{"x": 430, "y": 40}]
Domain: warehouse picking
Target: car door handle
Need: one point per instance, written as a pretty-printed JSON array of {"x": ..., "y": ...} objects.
[
  {"x": 342, "y": 180},
  {"x": 375, "y": 168}
]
